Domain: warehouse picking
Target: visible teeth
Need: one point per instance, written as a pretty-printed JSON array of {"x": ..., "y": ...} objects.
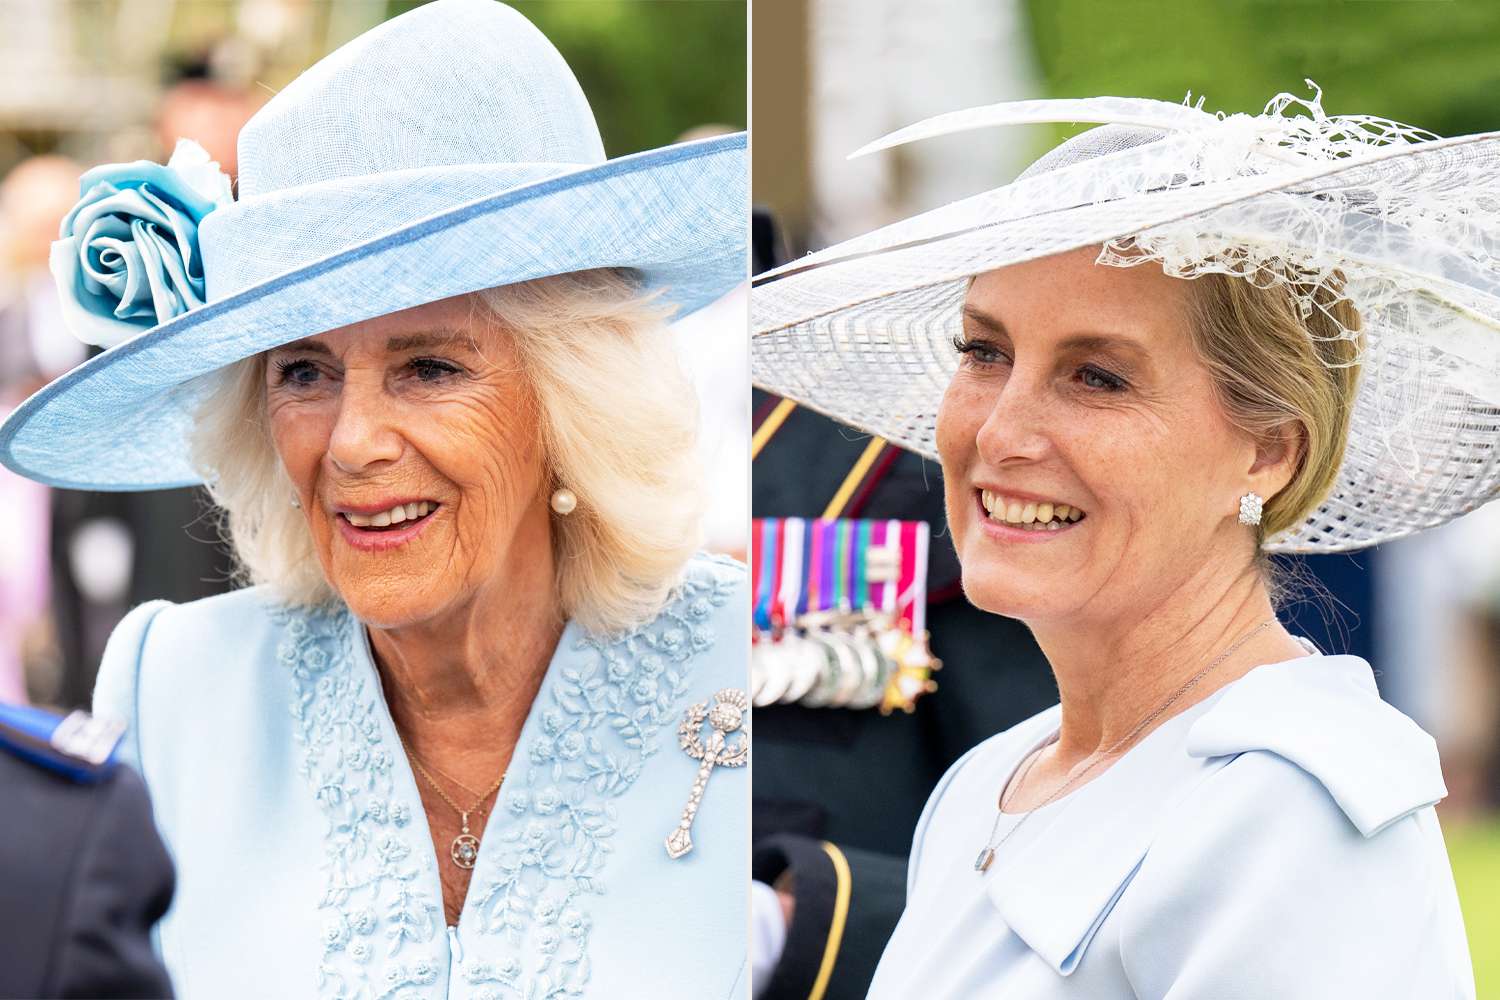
[
  {"x": 1042, "y": 514},
  {"x": 396, "y": 515}
]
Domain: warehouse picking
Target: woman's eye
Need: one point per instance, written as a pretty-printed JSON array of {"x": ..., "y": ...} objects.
[
  {"x": 299, "y": 372},
  {"x": 1101, "y": 380},
  {"x": 978, "y": 351},
  {"x": 432, "y": 370}
]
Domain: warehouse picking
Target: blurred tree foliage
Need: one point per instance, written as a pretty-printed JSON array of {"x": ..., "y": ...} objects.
[
  {"x": 652, "y": 69},
  {"x": 1429, "y": 63}
]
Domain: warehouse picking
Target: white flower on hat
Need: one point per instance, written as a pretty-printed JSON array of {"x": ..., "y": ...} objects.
[{"x": 201, "y": 172}]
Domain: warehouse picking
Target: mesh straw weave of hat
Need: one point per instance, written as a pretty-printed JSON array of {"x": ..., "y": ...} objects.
[{"x": 1403, "y": 224}]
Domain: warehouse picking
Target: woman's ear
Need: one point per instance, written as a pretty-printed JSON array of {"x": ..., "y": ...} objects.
[{"x": 1277, "y": 457}]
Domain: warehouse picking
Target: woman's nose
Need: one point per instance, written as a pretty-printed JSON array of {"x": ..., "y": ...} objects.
[
  {"x": 364, "y": 433},
  {"x": 1019, "y": 421}
]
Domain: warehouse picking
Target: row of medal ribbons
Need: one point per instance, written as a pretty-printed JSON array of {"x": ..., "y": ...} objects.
[{"x": 840, "y": 613}]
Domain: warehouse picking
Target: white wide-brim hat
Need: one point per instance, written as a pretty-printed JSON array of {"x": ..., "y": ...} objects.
[
  {"x": 1402, "y": 223},
  {"x": 443, "y": 152}
]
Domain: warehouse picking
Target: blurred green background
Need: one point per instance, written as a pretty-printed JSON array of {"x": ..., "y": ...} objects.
[
  {"x": 1431, "y": 64},
  {"x": 651, "y": 68},
  {"x": 1474, "y": 849}
]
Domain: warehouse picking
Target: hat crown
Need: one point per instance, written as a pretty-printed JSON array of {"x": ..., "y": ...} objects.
[
  {"x": 452, "y": 82},
  {"x": 1096, "y": 142}
]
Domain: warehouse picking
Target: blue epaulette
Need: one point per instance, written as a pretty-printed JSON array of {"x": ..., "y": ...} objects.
[{"x": 76, "y": 746}]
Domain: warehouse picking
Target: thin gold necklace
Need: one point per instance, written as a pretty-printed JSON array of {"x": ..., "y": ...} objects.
[
  {"x": 465, "y": 848},
  {"x": 987, "y": 853}
]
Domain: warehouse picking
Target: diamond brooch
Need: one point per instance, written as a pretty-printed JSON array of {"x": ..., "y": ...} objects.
[{"x": 725, "y": 717}]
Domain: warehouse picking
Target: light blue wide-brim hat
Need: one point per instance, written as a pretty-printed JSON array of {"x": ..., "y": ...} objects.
[{"x": 445, "y": 151}]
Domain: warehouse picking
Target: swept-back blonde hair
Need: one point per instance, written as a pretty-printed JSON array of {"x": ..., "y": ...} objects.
[
  {"x": 618, "y": 420},
  {"x": 1270, "y": 366}
]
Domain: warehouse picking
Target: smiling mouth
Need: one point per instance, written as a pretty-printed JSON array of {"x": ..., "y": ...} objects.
[
  {"x": 1028, "y": 515},
  {"x": 395, "y": 519}
]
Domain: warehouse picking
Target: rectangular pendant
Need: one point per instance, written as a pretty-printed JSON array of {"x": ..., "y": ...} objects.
[{"x": 986, "y": 856}]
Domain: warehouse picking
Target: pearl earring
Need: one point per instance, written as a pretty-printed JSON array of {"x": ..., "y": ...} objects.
[
  {"x": 564, "y": 501},
  {"x": 1250, "y": 508}
]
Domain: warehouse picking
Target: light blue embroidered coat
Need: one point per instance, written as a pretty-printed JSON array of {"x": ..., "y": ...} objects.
[
  {"x": 304, "y": 861},
  {"x": 1275, "y": 841}
]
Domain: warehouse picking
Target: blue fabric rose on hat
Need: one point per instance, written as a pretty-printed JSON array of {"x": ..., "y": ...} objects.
[{"x": 127, "y": 256}]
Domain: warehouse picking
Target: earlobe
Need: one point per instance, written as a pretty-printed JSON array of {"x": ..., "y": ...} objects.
[{"x": 1285, "y": 449}]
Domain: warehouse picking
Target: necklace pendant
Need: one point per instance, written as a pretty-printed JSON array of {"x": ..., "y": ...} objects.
[
  {"x": 465, "y": 849},
  {"x": 985, "y": 859}
]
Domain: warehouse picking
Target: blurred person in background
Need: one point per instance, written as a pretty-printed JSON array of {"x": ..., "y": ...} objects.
[
  {"x": 1438, "y": 595},
  {"x": 34, "y": 197},
  {"x": 422, "y": 364},
  {"x": 1124, "y": 842},
  {"x": 202, "y": 104},
  {"x": 83, "y": 874}
]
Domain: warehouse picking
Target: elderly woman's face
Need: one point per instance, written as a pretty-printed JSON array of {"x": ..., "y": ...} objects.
[
  {"x": 1080, "y": 398},
  {"x": 413, "y": 443}
]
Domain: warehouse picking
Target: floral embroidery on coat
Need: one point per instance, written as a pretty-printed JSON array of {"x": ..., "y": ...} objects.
[
  {"x": 598, "y": 720},
  {"x": 375, "y": 902}
]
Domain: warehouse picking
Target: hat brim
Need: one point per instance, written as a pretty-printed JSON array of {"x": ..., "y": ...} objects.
[
  {"x": 862, "y": 331},
  {"x": 121, "y": 421}
]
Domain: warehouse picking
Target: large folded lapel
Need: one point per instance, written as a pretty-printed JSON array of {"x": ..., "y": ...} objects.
[{"x": 1325, "y": 715}]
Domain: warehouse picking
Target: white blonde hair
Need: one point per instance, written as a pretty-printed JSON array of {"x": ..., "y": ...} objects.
[{"x": 618, "y": 424}]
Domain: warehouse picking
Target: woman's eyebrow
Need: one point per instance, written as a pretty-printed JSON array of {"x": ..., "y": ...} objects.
[
  {"x": 306, "y": 344},
  {"x": 981, "y": 318},
  {"x": 1102, "y": 342},
  {"x": 1076, "y": 342},
  {"x": 429, "y": 338}
]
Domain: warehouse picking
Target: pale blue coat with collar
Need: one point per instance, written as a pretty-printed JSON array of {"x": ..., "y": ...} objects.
[
  {"x": 305, "y": 864},
  {"x": 1276, "y": 840}
]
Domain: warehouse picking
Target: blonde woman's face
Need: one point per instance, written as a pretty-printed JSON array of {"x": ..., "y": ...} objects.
[
  {"x": 413, "y": 443},
  {"x": 1079, "y": 387}
]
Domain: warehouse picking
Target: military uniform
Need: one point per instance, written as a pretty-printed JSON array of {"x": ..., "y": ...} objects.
[
  {"x": 838, "y": 792},
  {"x": 83, "y": 875}
]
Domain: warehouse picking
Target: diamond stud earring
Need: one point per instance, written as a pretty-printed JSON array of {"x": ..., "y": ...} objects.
[
  {"x": 295, "y": 502},
  {"x": 1250, "y": 505},
  {"x": 564, "y": 501}
]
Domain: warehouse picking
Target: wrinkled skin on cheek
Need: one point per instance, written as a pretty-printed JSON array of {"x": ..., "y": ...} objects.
[
  {"x": 425, "y": 404},
  {"x": 1126, "y": 427}
]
